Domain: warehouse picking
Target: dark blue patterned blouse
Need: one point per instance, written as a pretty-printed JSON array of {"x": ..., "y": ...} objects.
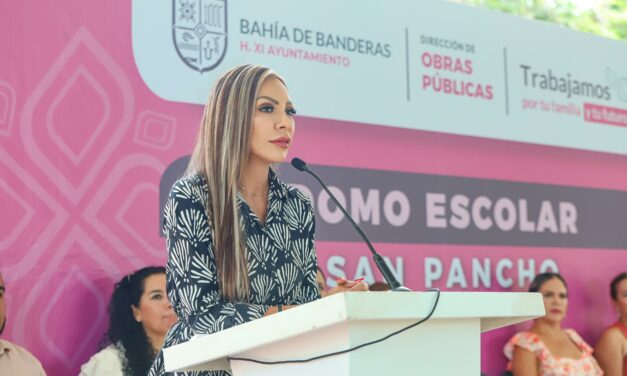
[{"x": 281, "y": 261}]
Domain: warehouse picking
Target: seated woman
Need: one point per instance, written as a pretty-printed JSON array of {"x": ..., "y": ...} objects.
[
  {"x": 547, "y": 349},
  {"x": 139, "y": 318},
  {"x": 611, "y": 351}
]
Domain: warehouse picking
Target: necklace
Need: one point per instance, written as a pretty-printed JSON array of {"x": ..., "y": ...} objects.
[{"x": 254, "y": 194}]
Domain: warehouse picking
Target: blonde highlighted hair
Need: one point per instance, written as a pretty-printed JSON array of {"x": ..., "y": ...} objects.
[{"x": 222, "y": 148}]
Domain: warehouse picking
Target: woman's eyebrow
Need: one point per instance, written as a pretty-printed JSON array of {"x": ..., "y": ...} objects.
[
  {"x": 288, "y": 103},
  {"x": 268, "y": 98}
]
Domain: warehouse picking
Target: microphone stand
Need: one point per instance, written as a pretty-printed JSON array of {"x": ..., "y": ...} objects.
[{"x": 389, "y": 277}]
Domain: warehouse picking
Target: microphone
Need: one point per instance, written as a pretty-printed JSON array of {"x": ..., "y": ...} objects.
[{"x": 300, "y": 165}]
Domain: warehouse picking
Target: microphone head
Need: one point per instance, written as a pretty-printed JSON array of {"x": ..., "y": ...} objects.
[{"x": 299, "y": 164}]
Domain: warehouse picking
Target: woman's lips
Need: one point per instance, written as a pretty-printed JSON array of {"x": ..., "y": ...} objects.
[
  {"x": 554, "y": 310},
  {"x": 281, "y": 142}
]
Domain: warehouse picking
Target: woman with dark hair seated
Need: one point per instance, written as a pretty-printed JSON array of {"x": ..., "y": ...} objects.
[
  {"x": 139, "y": 318},
  {"x": 611, "y": 351},
  {"x": 547, "y": 349}
]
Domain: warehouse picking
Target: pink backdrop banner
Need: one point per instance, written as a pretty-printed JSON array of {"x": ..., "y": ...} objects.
[{"x": 84, "y": 144}]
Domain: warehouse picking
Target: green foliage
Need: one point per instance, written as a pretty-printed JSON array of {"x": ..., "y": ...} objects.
[{"x": 606, "y": 18}]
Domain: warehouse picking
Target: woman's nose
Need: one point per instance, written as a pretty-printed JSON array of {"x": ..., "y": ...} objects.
[
  {"x": 284, "y": 121},
  {"x": 556, "y": 300}
]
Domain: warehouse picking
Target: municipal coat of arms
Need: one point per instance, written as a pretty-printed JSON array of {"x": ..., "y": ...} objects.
[{"x": 199, "y": 31}]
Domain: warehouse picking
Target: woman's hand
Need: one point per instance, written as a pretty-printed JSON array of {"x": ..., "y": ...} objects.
[{"x": 344, "y": 285}]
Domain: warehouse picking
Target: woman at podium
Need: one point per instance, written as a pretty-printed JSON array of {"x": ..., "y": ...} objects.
[
  {"x": 548, "y": 349},
  {"x": 240, "y": 242}
]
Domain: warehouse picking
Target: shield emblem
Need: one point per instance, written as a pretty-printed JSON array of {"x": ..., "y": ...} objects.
[{"x": 199, "y": 31}]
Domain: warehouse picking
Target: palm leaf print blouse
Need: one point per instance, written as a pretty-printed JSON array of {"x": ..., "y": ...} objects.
[{"x": 281, "y": 260}]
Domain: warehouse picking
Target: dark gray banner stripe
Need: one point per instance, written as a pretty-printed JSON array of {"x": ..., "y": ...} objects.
[{"x": 396, "y": 207}]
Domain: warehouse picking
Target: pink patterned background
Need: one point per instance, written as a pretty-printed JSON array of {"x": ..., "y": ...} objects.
[{"x": 83, "y": 144}]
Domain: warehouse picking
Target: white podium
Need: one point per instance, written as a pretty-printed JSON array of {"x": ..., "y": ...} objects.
[{"x": 446, "y": 344}]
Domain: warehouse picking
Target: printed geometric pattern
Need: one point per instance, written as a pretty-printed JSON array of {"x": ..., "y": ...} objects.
[
  {"x": 7, "y": 108},
  {"x": 281, "y": 260},
  {"x": 155, "y": 130},
  {"x": 75, "y": 193}
]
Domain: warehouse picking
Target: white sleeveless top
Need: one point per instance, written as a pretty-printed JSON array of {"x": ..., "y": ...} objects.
[{"x": 106, "y": 362}]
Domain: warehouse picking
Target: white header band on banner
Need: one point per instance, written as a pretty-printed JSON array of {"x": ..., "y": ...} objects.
[{"x": 428, "y": 65}]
